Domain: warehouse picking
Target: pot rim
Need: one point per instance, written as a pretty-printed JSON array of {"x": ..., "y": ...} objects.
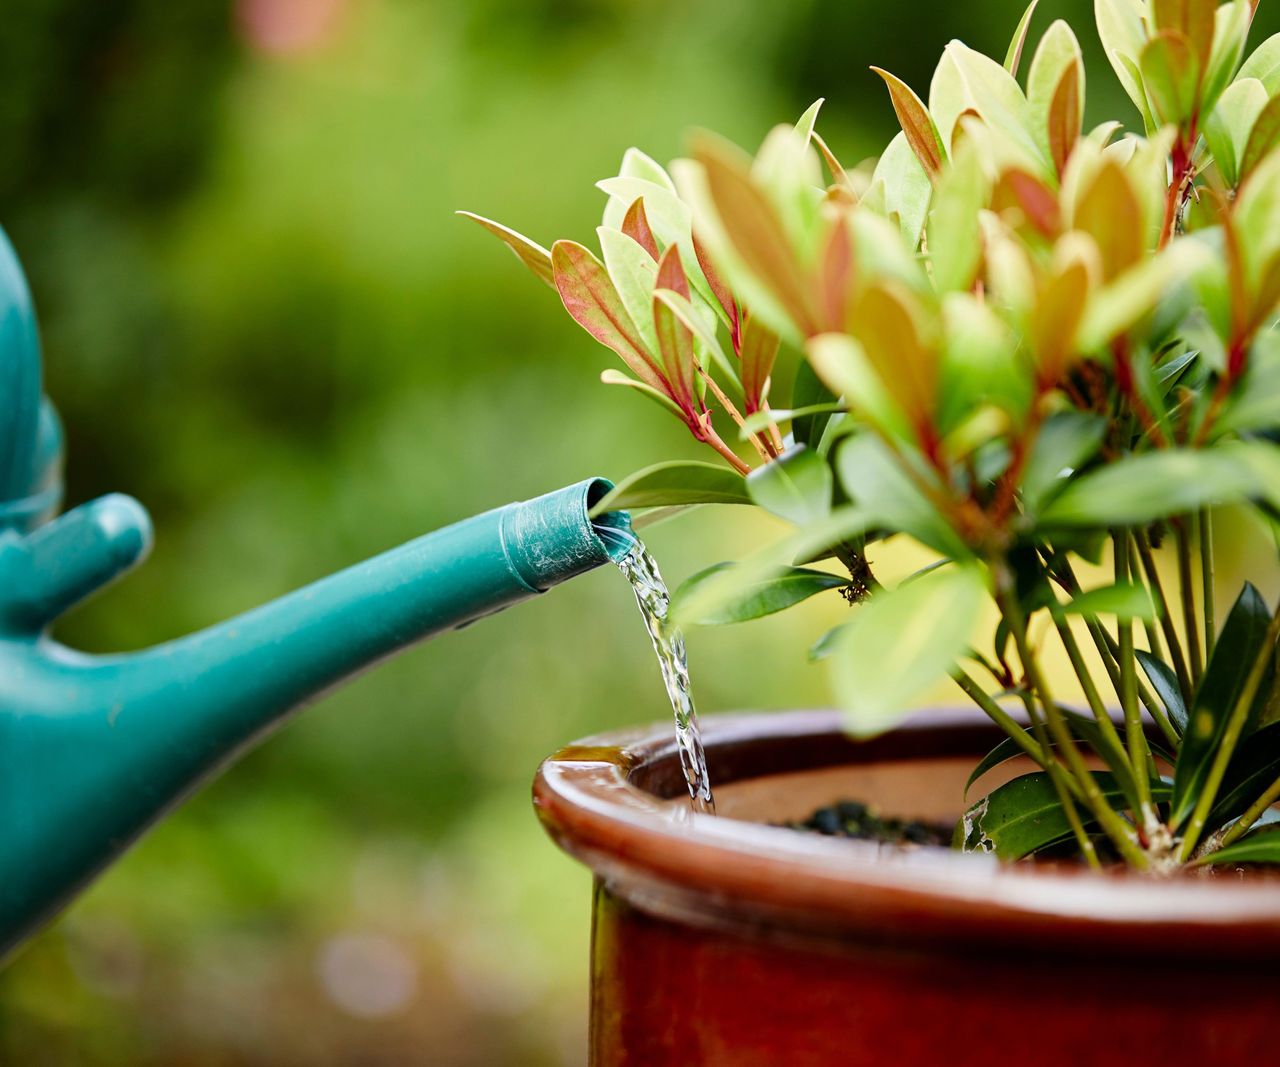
[{"x": 603, "y": 800}]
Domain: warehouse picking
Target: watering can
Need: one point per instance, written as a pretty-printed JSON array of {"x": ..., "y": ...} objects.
[{"x": 94, "y": 749}]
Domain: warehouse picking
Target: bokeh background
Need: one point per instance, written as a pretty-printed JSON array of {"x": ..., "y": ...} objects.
[{"x": 262, "y": 318}]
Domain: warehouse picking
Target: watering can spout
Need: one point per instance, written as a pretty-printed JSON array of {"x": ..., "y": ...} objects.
[{"x": 93, "y": 749}]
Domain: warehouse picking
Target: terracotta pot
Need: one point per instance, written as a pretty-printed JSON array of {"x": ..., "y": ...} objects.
[{"x": 720, "y": 940}]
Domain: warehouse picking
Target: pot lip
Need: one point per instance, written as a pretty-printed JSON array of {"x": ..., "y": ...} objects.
[{"x": 601, "y": 800}]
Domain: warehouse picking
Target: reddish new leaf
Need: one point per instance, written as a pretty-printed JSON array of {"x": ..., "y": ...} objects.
[
  {"x": 635, "y": 224},
  {"x": 589, "y": 296},
  {"x": 759, "y": 350},
  {"x": 1263, "y": 138},
  {"x": 722, "y": 293},
  {"x": 837, "y": 275},
  {"x": 1111, "y": 213},
  {"x": 756, "y": 232},
  {"x": 675, "y": 339},
  {"x": 914, "y": 119},
  {"x": 1031, "y": 198},
  {"x": 1064, "y": 117},
  {"x": 1193, "y": 18},
  {"x": 1055, "y": 321}
]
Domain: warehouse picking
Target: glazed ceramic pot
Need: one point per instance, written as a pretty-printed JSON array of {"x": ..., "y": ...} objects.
[{"x": 725, "y": 941}]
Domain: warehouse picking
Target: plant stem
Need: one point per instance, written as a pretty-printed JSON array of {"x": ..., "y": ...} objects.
[
  {"x": 765, "y": 453},
  {"x": 775, "y": 435},
  {"x": 1177, "y": 660},
  {"x": 1186, "y": 588},
  {"x": 1235, "y": 726},
  {"x": 1120, "y": 832},
  {"x": 1043, "y": 756},
  {"x": 1136, "y": 739},
  {"x": 1207, "y": 583},
  {"x": 1091, "y": 694},
  {"x": 1256, "y": 809},
  {"x": 1110, "y": 652}
]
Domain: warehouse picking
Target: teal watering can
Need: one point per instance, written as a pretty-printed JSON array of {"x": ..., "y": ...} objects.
[{"x": 94, "y": 749}]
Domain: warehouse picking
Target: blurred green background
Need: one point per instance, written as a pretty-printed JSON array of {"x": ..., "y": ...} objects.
[{"x": 261, "y": 317}]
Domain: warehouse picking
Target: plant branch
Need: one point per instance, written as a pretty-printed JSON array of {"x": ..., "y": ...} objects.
[
  {"x": 1187, "y": 591},
  {"x": 1269, "y": 796},
  {"x": 1207, "y": 583},
  {"x": 1135, "y": 737},
  {"x": 1176, "y": 657}
]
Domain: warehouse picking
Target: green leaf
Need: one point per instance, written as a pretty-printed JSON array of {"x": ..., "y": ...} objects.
[
  {"x": 1024, "y": 816},
  {"x": 809, "y": 391},
  {"x": 1231, "y": 30},
  {"x": 1123, "y": 601},
  {"x": 1152, "y": 485},
  {"x": 1170, "y": 75},
  {"x": 1013, "y": 56},
  {"x": 616, "y": 377},
  {"x": 762, "y": 420},
  {"x": 759, "y": 350},
  {"x": 980, "y": 364},
  {"x": 905, "y": 186},
  {"x": 1067, "y": 441},
  {"x": 1264, "y": 64},
  {"x": 633, "y": 272},
  {"x": 955, "y": 239},
  {"x": 724, "y": 588},
  {"x": 1227, "y": 128},
  {"x": 842, "y": 365},
  {"x": 530, "y": 253},
  {"x": 797, "y": 486},
  {"x": 876, "y": 482},
  {"x": 756, "y": 598},
  {"x": 900, "y": 642},
  {"x": 676, "y": 482},
  {"x": 968, "y": 80},
  {"x": 1263, "y": 138},
  {"x": 1260, "y": 846},
  {"x": 1121, "y": 30},
  {"x": 1254, "y": 766},
  {"x": 1116, "y": 306},
  {"x": 1234, "y": 653},
  {"x": 1165, "y": 683},
  {"x": 1057, "y": 54}
]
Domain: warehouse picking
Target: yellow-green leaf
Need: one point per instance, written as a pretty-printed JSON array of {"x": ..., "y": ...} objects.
[
  {"x": 914, "y": 119},
  {"x": 530, "y": 253}
]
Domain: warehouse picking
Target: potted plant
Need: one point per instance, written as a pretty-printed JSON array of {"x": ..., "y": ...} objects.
[{"x": 1033, "y": 349}]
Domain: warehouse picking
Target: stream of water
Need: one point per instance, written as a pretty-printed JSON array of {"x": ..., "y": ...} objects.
[{"x": 641, "y": 570}]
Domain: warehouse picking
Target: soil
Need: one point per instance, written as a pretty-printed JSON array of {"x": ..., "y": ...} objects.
[{"x": 861, "y": 822}]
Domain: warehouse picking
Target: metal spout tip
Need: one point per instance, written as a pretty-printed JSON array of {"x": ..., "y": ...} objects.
[{"x": 552, "y": 538}]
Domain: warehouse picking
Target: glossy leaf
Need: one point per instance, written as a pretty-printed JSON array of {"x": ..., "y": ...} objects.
[
  {"x": 901, "y": 642},
  {"x": 1230, "y": 31},
  {"x": 841, "y": 364},
  {"x": 530, "y": 253},
  {"x": 676, "y": 482},
  {"x": 916, "y": 124},
  {"x": 1254, "y": 766},
  {"x": 1237, "y": 647},
  {"x": 1024, "y": 816},
  {"x": 775, "y": 593},
  {"x": 590, "y": 297},
  {"x": 807, "y": 393},
  {"x": 1165, "y": 683},
  {"x": 889, "y": 325},
  {"x": 797, "y": 486},
  {"x": 905, "y": 187},
  {"x": 1259, "y": 846},
  {"x": 1121, "y": 30}
]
